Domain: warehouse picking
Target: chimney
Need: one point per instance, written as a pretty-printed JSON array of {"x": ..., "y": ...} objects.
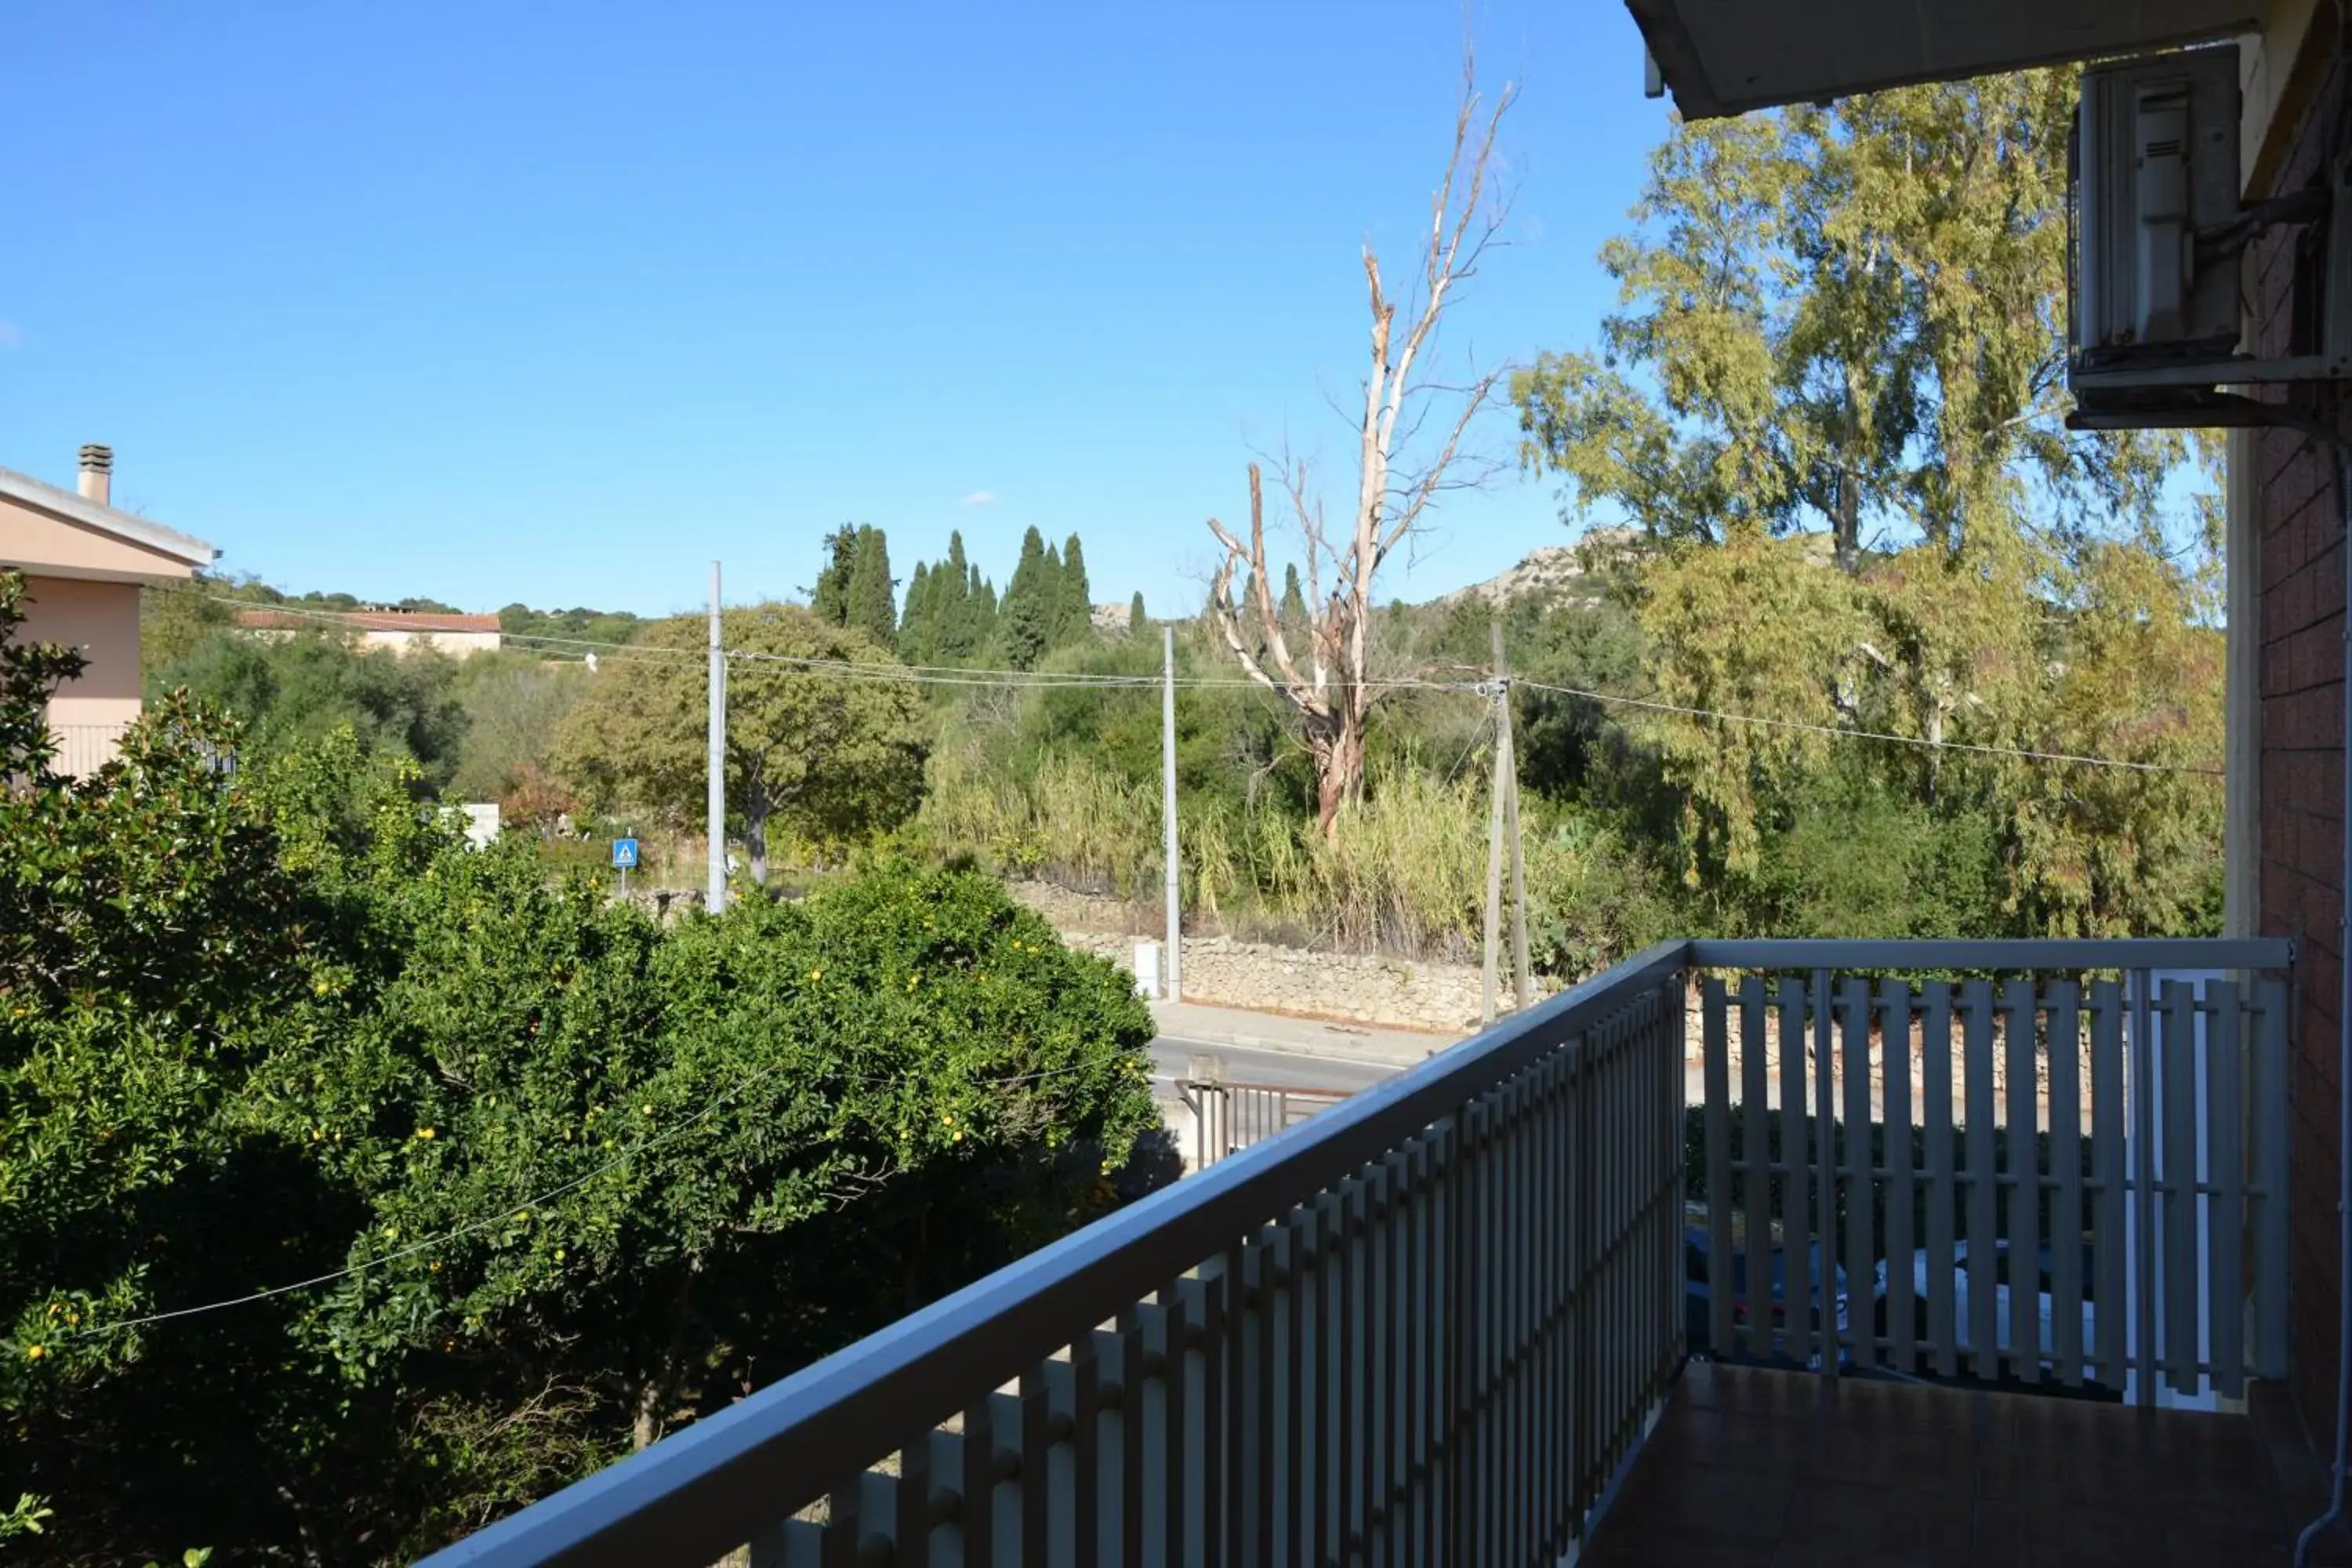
[{"x": 97, "y": 473}]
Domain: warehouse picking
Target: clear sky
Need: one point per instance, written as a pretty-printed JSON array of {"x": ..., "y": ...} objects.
[{"x": 557, "y": 303}]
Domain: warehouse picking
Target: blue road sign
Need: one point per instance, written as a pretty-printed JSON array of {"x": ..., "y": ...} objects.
[{"x": 625, "y": 853}]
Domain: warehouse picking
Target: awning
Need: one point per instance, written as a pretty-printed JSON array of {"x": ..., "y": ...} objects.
[{"x": 1727, "y": 56}]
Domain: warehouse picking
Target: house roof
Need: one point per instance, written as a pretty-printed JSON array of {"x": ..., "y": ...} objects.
[
  {"x": 368, "y": 620},
  {"x": 107, "y": 520},
  {"x": 1727, "y": 56}
]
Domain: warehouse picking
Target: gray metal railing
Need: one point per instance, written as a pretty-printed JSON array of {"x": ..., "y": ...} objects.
[
  {"x": 2076, "y": 1176},
  {"x": 1229, "y": 1117},
  {"x": 1424, "y": 1326}
]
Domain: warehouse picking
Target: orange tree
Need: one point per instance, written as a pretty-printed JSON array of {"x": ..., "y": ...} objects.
[{"x": 561, "y": 1177}]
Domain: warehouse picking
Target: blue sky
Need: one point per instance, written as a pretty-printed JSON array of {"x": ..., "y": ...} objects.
[{"x": 558, "y": 303}]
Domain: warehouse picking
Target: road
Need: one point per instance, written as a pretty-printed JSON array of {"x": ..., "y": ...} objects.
[{"x": 1171, "y": 1055}]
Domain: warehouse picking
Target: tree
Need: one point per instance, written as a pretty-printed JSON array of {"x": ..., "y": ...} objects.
[
  {"x": 513, "y": 705},
  {"x": 294, "y": 690},
  {"x": 1293, "y": 602},
  {"x": 1846, "y": 325},
  {"x": 1075, "y": 617},
  {"x": 1849, "y": 317},
  {"x": 561, "y": 1176},
  {"x": 915, "y": 623},
  {"x": 870, "y": 604},
  {"x": 835, "y": 755},
  {"x": 829, "y": 600},
  {"x": 1032, "y": 604},
  {"x": 1136, "y": 623},
  {"x": 1329, "y": 684}
]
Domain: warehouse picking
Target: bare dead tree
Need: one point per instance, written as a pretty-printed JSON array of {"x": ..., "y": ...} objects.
[{"x": 1332, "y": 692}]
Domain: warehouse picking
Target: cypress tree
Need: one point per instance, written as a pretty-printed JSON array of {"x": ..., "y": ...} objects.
[
  {"x": 1137, "y": 624},
  {"x": 872, "y": 607},
  {"x": 1026, "y": 620},
  {"x": 1076, "y": 619},
  {"x": 912, "y": 634},
  {"x": 829, "y": 602},
  {"x": 1293, "y": 609}
]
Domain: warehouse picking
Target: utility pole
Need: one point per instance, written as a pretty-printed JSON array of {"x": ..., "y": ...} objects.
[
  {"x": 1523, "y": 982},
  {"x": 1167, "y": 811},
  {"x": 717, "y": 896},
  {"x": 1495, "y": 833}
]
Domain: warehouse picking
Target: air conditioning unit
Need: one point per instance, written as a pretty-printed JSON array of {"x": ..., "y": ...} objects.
[
  {"x": 2155, "y": 165},
  {"x": 2156, "y": 236}
]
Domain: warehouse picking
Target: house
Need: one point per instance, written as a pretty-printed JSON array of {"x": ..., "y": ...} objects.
[
  {"x": 1451, "y": 1320},
  {"x": 84, "y": 561},
  {"x": 402, "y": 631}
]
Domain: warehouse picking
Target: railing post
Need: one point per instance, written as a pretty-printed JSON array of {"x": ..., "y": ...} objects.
[
  {"x": 2143, "y": 1104},
  {"x": 1824, "y": 1274}
]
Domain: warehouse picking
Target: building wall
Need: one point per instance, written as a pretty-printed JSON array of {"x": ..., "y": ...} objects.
[
  {"x": 34, "y": 539},
  {"x": 2298, "y": 545},
  {"x": 456, "y": 645},
  {"x": 101, "y": 619}
]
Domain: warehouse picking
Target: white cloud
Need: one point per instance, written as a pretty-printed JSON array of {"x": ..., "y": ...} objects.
[{"x": 979, "y": 498}]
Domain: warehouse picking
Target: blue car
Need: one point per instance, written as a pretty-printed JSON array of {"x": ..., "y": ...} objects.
[{"x": 1698, "y": 1298}]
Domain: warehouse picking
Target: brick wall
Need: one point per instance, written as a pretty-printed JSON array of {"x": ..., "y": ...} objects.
[{"x": 2299, "y": 522}]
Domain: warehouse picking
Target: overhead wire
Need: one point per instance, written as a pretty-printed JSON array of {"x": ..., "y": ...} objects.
[
  {"x": 953, "y": 675},
  {"x": 524, "y": 1208}
]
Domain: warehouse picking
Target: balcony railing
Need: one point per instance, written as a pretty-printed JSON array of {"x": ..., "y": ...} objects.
[
  {"x": 83, "y": 748},
  {"x": 1431, "y": 1323},
  {"x": 2071, "y": 1178},
  {"x": 1227, "y": 1117}
]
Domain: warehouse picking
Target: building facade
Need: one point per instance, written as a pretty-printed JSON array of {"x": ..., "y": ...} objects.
[{"x": 84, "y": 562}]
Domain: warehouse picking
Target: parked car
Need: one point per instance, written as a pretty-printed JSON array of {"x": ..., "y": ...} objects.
[
  {"x": 1697, "y": 1295},
  {"x": 1924, "y": 1287}
]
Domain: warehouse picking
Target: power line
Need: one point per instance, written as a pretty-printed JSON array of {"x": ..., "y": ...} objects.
[
  {"x": 1800, "y": 726},
  {"x": 919, "y": 674},
  {"x": 527, "y": 1205},
  {"x": 952, "y": 675}
]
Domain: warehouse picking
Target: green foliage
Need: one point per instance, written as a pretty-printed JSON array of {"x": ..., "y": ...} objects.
[
  {"x": 575, "y": 624},
  {"x": 514, "y": 703},
  {"x": 950, "y": 612},
  {"x": 294, "y": 688},
  {"x": 871, "y": 606},
  {"x": 1845, "y": 324},
  {"x": 832, "y": 759},
  {"x": 578, "y": 1177},
  {"x": 1137, "y": 622},
  {"x": 1027, "y": 620},
  {"x": 829, "y": 600},
  {"x": 173, "y": 618},
  {"x": 1074, "y": 619}
]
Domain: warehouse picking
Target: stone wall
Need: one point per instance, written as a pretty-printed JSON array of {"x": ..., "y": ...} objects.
[{"x": 1223, "y": 971}]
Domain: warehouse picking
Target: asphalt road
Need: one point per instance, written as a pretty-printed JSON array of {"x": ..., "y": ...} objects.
[{"x": 1171, "y": 1055}]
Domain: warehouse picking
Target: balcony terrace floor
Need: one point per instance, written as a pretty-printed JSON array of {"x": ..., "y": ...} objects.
[{"x": 1750, "y": 1467}]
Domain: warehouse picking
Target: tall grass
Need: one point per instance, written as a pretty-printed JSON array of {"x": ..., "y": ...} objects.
[{"x": 1404, "y": 873}]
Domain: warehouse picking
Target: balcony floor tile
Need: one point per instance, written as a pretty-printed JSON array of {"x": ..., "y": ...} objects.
[{"x": 1751, "y": 1466}]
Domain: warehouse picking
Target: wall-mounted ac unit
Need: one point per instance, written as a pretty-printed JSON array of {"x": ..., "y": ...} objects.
[{"x": 2157, "y": 237}]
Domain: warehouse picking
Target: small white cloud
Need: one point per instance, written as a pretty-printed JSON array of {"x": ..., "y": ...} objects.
[
  {"x": 10, "y": 335},
  {"x": 979, "y": 498}
]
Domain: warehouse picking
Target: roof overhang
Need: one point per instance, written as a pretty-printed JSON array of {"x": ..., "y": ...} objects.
[
  {"x": 1727, "y": 56},
  {"x": 59, "y": 534}
]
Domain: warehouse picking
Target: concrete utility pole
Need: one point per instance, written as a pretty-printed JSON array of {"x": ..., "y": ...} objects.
[
  {"x": 1523, "y": 982},
  {"x": 1495, "y": 836},
  {"x": 717, "y": 896},
  {"x": 1167, "y": 811},
  {"x": 1502, "y": 829}
]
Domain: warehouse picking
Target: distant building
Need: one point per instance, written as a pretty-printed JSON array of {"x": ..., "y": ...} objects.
[
  {"x": 83, "y": 562},
  {"x": 402, "y": 631}
]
